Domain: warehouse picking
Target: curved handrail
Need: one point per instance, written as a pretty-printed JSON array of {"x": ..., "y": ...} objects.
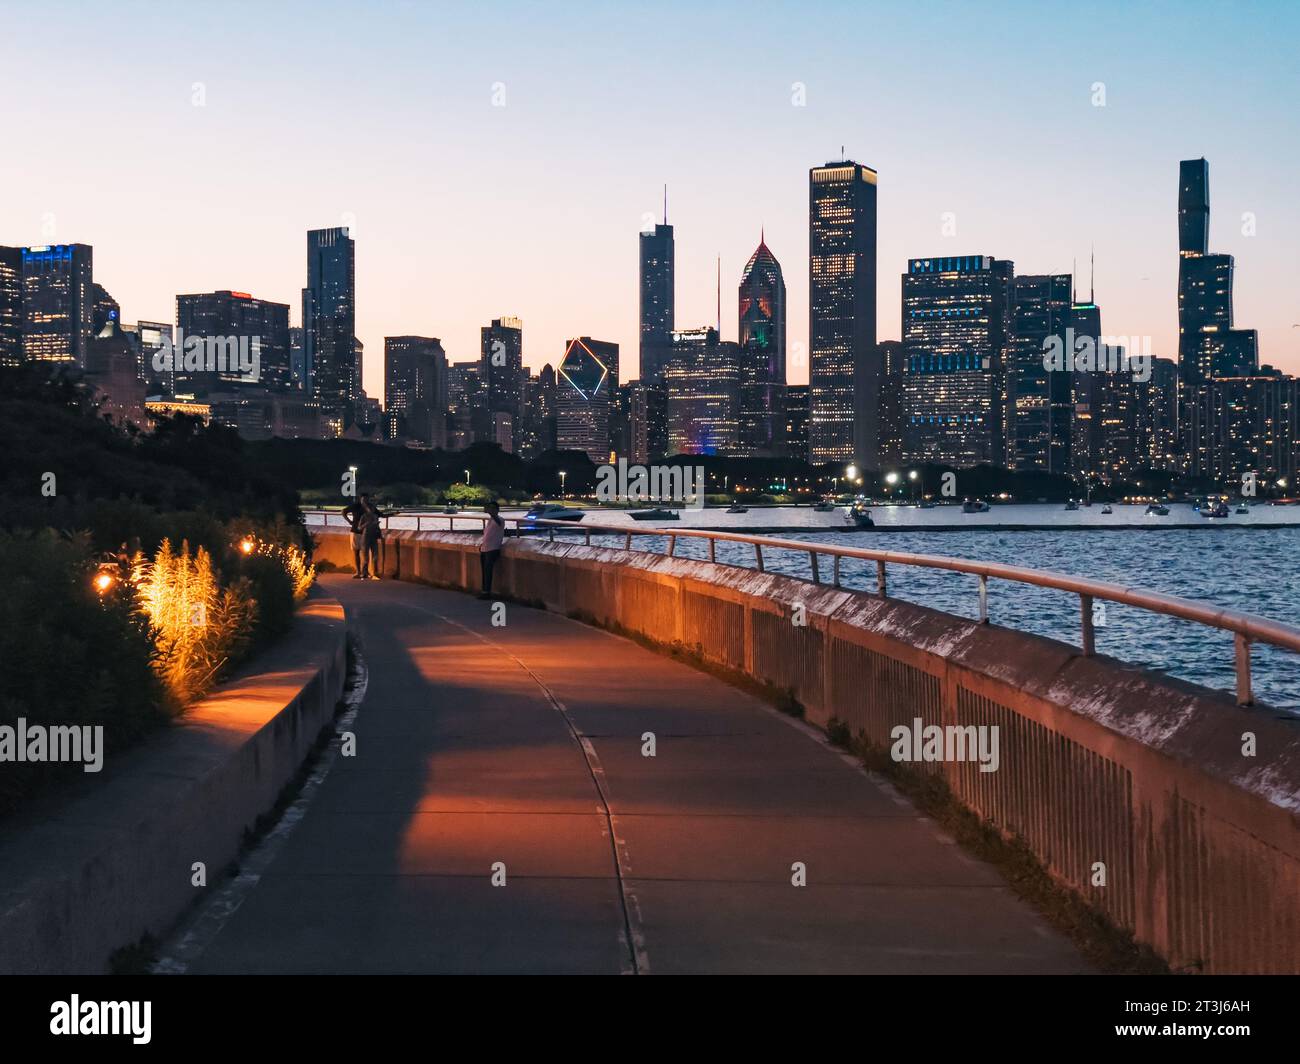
[{"x": 1247, "y": 628}]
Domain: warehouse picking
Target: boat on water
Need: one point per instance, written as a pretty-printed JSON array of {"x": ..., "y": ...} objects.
[
  {"x": 1155, "y": 509},
  {"x": 737, "y": 508},
  {"x": 1106, "y": 509},
  {"x": 859, "y": 515},
  {"x": 1215, "y": 509},
  {"x": 1243, "y": 509},
  {"x": 450, "y": 510},
  {"x": 1071, "y": 505},
  {"x": 925, "y": 504},
  {"x": 825, "y": 506},
  {"x": 658, "y": 513},
  {"x": 974, "y": 506},
  {"x": 554, "y": 511}
]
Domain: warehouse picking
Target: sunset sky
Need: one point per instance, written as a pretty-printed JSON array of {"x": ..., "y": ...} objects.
[{"x": 383, "y": 118}]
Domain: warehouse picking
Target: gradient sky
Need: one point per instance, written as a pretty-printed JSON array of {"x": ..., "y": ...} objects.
[{"x": 325, "y": 114}]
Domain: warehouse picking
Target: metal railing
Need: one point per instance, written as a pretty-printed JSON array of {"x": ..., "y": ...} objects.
[{"x": 1246, "y": 628}]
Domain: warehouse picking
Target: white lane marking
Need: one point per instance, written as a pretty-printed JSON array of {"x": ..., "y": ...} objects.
[
  {"x": 198, "y": 931},
  {"x": 631, "y": 933}
]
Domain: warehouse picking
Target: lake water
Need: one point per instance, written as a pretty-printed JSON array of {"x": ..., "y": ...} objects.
[{"x": 1233, "y": 562}]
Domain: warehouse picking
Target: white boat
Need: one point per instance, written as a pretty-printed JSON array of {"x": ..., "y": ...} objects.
[{"x": 553, "y": 511}]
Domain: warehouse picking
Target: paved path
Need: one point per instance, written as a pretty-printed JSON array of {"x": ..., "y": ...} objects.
[{"x": 522, "y": 745}]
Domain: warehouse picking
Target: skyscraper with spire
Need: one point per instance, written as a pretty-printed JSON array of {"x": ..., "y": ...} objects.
[
  {"x": 761, "y": 336},
  {"x": 657, "y": 298}
]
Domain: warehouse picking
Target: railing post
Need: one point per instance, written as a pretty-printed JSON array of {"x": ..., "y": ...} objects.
[
  {"x": 588, "y": 531},
  {"x": 672, "y": 546},
  {"x": 1085, "y": 617},
  {"x": 1245, "y": 696},
  {"x": 984, "y": 599},
  {"x": 758, "y": 556},
  {"x": 628, "y": 544},
  {"x": 713, "y": 556},
  {"x": 812, "y": 555},
  {"x": 837, "y": 570},
  {"x": 550, "y": 533},
  {"x": 880, "y": 579}
]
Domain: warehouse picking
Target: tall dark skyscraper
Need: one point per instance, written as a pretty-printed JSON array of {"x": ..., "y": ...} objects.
[
  {"x": 1208, "y": 345},
  {"x": 955, "y": 324},
  {"x": 761, "y": 334},
  {"x": 657, "y": 299},
  {"x": 329, "y": 307},
  {"x": 58, "y": 302},
  {"x": 892, "y": 414},
  {"x": 415, "y": 388},
  {"x": 796, "y": 421},
  {"x": 1039, "y": 401},
  {"x": 238, "y": 315},
  {"x": 844, "y": 371},
  {"x": 501, "y": 369},
  {"x": 11, "y": 306}
]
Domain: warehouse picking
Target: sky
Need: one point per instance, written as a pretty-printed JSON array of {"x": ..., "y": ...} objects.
[{"x": 500, "y": 159}]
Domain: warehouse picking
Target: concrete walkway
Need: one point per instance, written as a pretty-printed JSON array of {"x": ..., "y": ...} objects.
[{"x": 521, "y": 746}]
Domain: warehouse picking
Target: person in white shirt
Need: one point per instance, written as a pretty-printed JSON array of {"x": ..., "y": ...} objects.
[{"x": 494, "y": 535}]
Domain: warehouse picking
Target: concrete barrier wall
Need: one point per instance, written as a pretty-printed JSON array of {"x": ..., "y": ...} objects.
[
  {"x": 86, "y": 873},
  {"x": 1101, "y": 764}
]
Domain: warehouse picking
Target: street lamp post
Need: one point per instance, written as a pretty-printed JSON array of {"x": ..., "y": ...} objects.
[
  {"x": 911, "y": 475},
  {"x": 563, "y": 473},
  {"x": 467, "y": 478}
]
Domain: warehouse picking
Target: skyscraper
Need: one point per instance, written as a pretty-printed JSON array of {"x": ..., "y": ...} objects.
[
  {"x": 236, "y": 315},
  {"x": 1208, "y": 345},
  {"x": 761, "y": 334},
  {"x": 415, "y": 387},
  {"x": 329, "y": 324},
  {"x": 11, "y": 306},
  {"x": 955, "y": 317},
  {"x": 703, "y": 379},
  {"x": 892, "y": 413},
  {"x": 1247, "y": 424},
  {"x": 466, "y": 408},
  {"x": 501, "y": 369},
  {"x": 588, "y": 374},
  {"x": 657, "y": 299},
  {"x": 843, "y": 370},
  {"x": 796, "y": 421},
  {"x": 58, "y": 302},
  {"x": 1038, "y": 399}
]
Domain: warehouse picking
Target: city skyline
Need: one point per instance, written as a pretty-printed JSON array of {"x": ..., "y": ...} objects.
[{"x": 441, "y": 256}]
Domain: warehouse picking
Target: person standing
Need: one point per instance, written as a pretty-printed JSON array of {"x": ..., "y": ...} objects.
[
  {"x": 353, "y": 512},
  {"x": 372, "y": 534},
  {"x": 494, "y": 536}
]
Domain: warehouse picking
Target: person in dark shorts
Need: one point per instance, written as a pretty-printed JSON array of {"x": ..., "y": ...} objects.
[
  {"x": 372, "y": 534},
  {"x": 489, "y": 548}
]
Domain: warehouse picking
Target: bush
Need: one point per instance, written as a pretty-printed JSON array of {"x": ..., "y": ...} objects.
[
  {"x": 200, "y": 628},
  {"x": 272, "y": 588},
  {"x": 70, "y": 657}
]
